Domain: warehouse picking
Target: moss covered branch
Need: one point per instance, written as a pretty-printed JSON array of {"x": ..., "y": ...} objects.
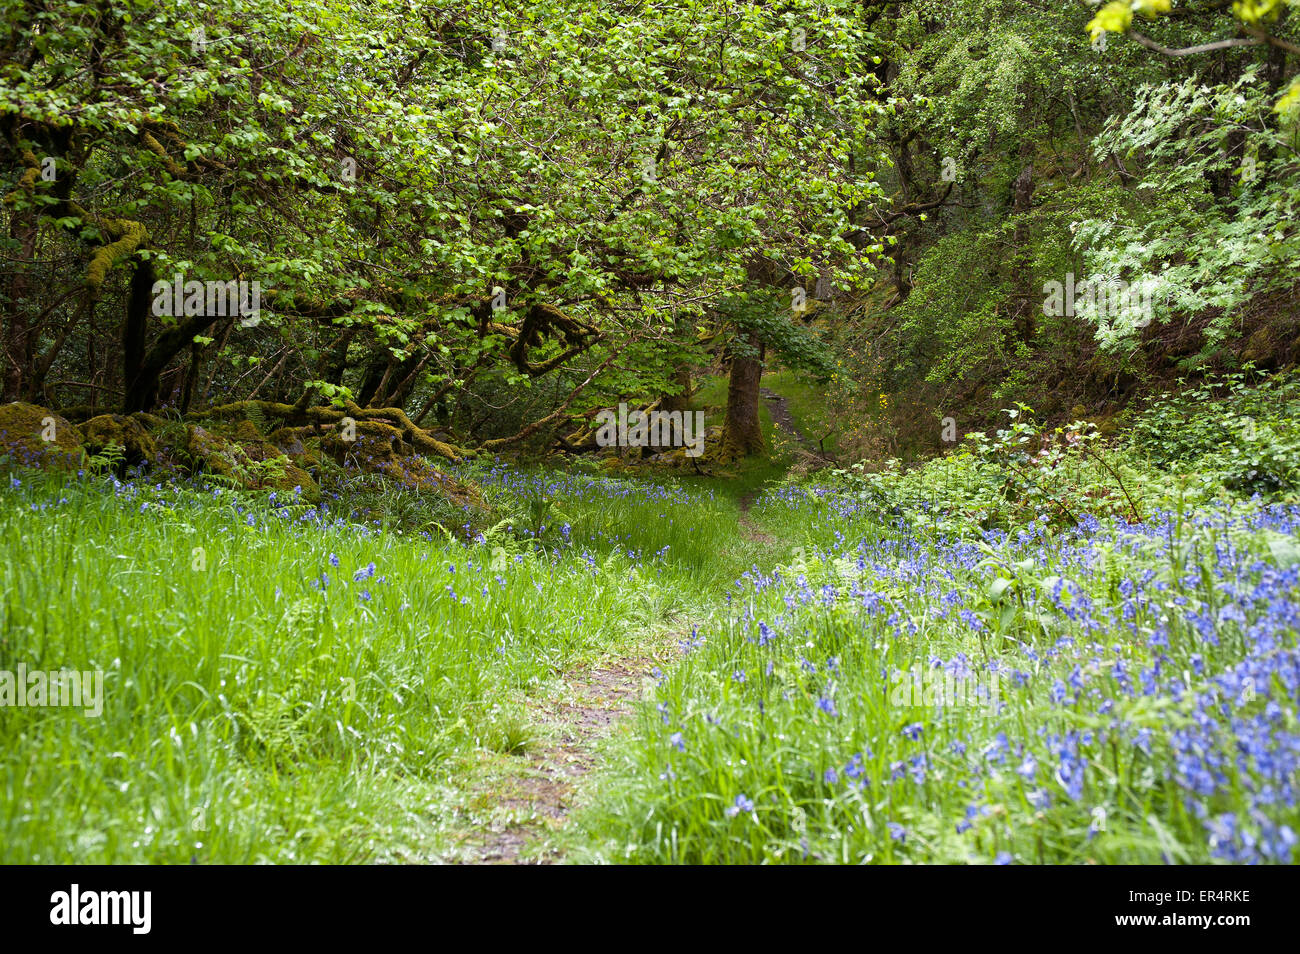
[{"x": 320, "y": 416}]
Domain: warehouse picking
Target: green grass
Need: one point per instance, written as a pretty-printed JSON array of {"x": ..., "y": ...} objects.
[
  {"x": 256, "y": 711},
  {"x": 784, "y": 736},
  {"x": 252, "y": 713},
  {"x": 745, "y": 478},
  {"x": 710, "y": 395},
  {"x": 807, "y": 403}
]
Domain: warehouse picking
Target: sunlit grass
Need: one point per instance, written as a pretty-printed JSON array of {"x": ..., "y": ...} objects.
[
  {"x": 1142, "y": 680},
  {"x": 806, "y": 401},
  {"x": 278, "y": 686}
]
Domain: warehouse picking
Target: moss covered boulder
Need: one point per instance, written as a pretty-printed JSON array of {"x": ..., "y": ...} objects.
[
  {"x": 211, "y": 453},
  {"x": 415, "y": 472},
  {"x": 255, "y": 465},
  {"x": 246, "y": 432},
  {"x": 291, "y": 443},
  {"x": 365, "y": 445},
  {"x": 34, "y": 436},
  {"x": 125, "y": 431}
]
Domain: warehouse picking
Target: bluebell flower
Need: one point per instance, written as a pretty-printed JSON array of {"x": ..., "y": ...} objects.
[{"x": 741, "y": 805}]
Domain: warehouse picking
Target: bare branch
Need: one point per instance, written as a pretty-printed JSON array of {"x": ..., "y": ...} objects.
[
  {"x": 1271, "y": 40},
  {"x": 1151, "y": 44}
]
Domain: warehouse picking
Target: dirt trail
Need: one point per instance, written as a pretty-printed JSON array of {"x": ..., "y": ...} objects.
[
  {"x": 779, "y": 408},
  {"x": 519, "y": 801},
  {"x": 528, "y": 798}
]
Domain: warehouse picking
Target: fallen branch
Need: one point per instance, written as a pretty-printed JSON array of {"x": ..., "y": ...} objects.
[
  {"x": 319, "y": 416},
  {"x": 537, "y": 425}
]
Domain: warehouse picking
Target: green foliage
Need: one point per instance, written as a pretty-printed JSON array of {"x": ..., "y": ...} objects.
[
  {"x": 1024, "y": 473},
  {"x": 385, "y": 174},
  {"x": 1244, "y": 431},
  {"x": 1197, "y": 249},
  {"x": 111, "y": 459},
  {"x": 798, "y": 729},
  {"x": 768, "y": 318},
  {"x": 282, "y": 684},
  {"x": 507, "y": 214}
]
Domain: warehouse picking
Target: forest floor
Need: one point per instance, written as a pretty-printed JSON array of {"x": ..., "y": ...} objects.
[
  {"x": 676, "y": 671},
  {"x": 519, "y": 803}
]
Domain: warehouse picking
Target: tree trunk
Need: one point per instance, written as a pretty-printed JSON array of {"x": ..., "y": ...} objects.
[
  {"x": 40, "y": 365},
  {"x": 191, "y": 379},
  {"x": 138, "y": 393},
  {"x": 23, "y": 232},
  {"x": 1022, "y": 200},
  {"x": 402, "y": 393},
  {"x": 681, "y": 400},
  {"x": 376, "y": 374},
  {"x": 742, "y": 435},
  {"x": 142, "y": 369}
]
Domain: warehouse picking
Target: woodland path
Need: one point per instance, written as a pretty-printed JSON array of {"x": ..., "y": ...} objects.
[
  {"x": 523, "y": 800},
  {"x": 779, "y": 408},
  {"x": 526, "y": 798}
]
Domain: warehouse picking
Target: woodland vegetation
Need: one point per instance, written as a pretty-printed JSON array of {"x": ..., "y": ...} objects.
[
  {"x": 990, "y": 306},
  {"x": 498, "y": 221}
]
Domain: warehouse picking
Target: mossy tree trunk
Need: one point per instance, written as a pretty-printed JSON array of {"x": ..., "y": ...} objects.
[
  {"x": 682, "y": 400},
  {"x": 142, "y": 368},
  {"x": 742, "y": 434},
  {"x": 135, "y": 328}
]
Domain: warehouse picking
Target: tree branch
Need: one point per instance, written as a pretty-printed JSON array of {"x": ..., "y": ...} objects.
[{"x": 1151, "y": 44}]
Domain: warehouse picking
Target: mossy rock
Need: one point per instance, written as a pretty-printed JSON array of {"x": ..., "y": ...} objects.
[
  {"x": 34, "y": 436},
  {"x": 377, "y": 448},
  {"x": 615, "y": 466},
  {"x": 1107, "y": 426},
  {"x": 290, "y": 441},
  {"x": 246, "y": 432},
  {"x": 210, "y": 452},
  {"x": 677, "y": 458},
  {"x": 375, "y": 443},
  {"x": 77, "y": 413},
  {"x": 419, "y": 473},
  {"x": 258, "y": 466},
  {"x": 298, "y": 445},
  {"x": 1261, "y": 346},
  {"x": 126, "y": 432},
  {"x": 172, "y": 439},
  {"x": 293, "y": 478}
]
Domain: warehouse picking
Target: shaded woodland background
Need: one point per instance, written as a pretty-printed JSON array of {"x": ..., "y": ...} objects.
[{"x": 488, "y": 222}]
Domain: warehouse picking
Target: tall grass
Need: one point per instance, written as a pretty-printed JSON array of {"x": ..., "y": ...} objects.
[
  {"x": 282, "y": 684},
  {"x": 1107, "y": 694},
  {"x": 865, "y": 678}
]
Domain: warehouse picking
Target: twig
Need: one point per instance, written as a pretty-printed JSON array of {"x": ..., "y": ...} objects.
[{"x": 1111, "y": 470}]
